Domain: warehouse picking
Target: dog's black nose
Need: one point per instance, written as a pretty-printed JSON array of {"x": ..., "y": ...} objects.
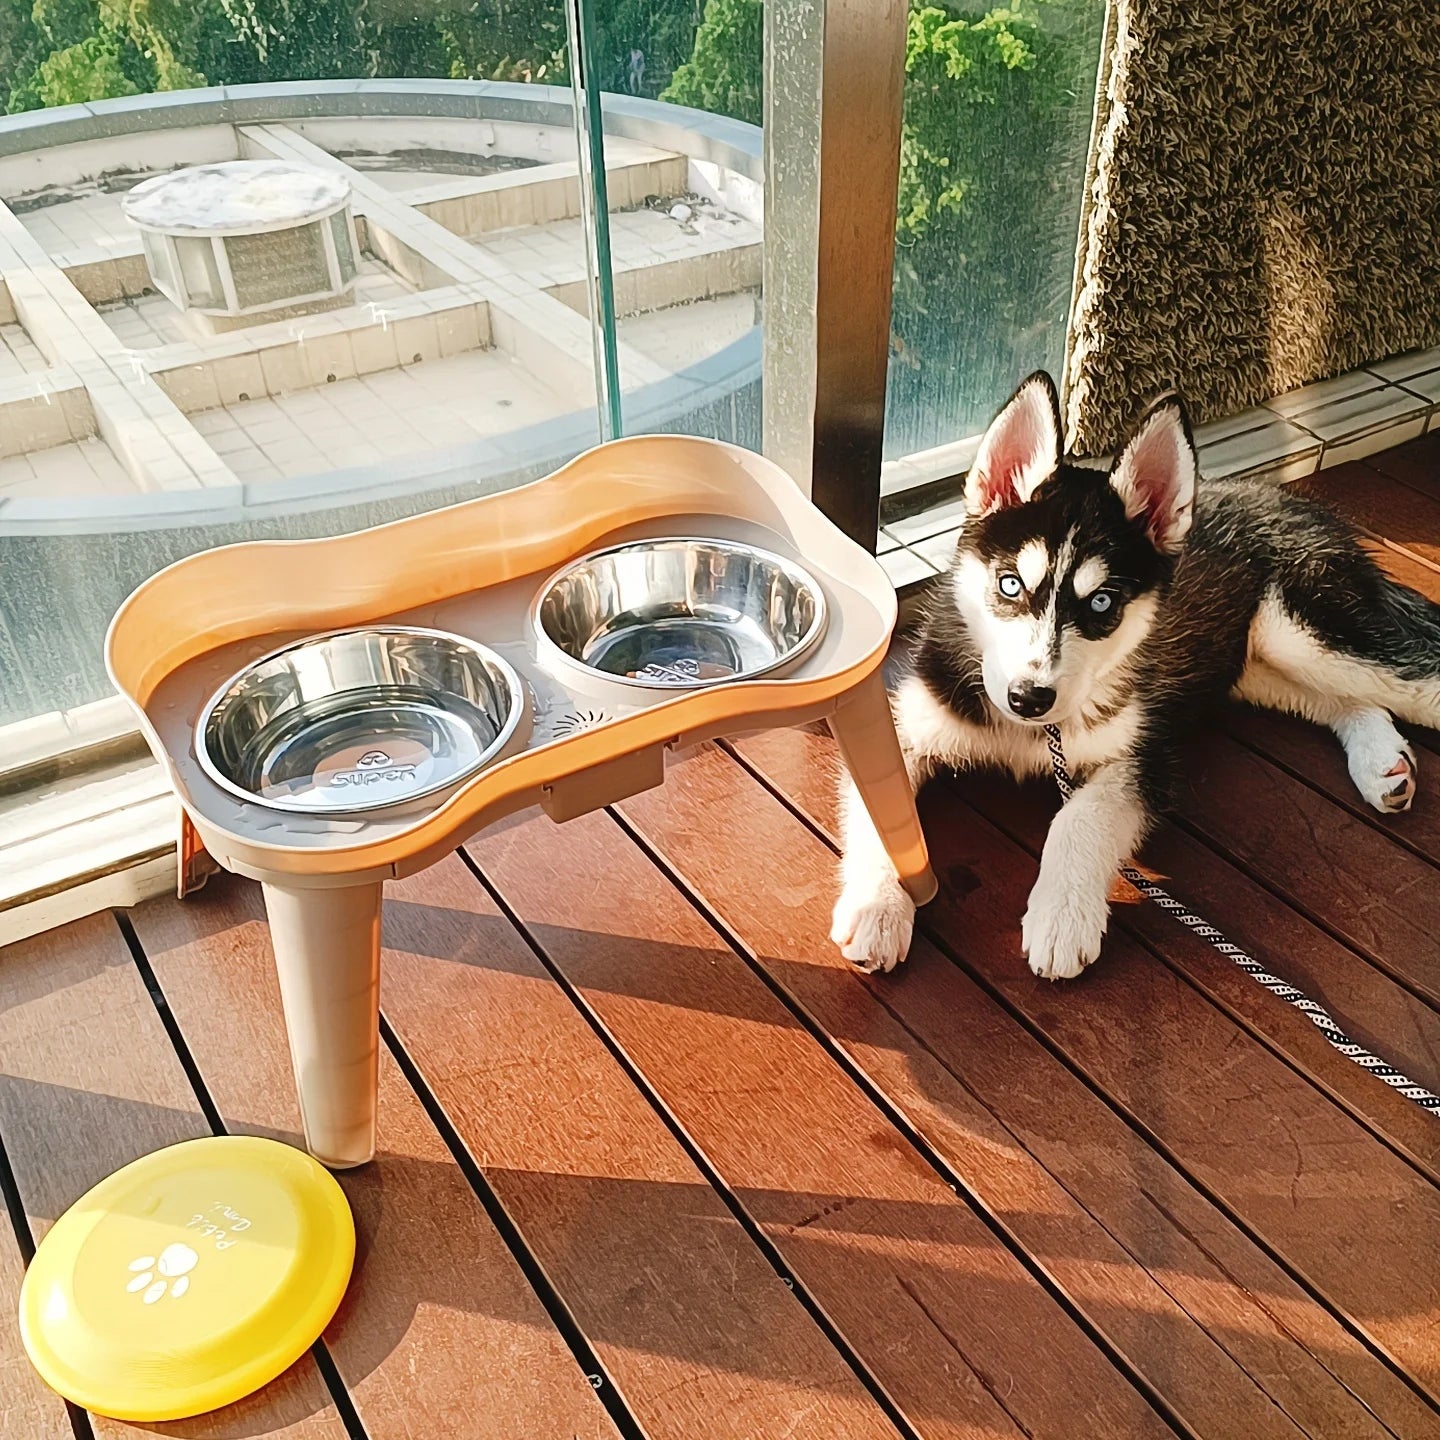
[{"x": 1030, "y": 701}]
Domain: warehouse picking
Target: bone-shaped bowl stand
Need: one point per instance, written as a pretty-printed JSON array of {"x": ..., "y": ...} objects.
[{"x": 477, "y": 570}]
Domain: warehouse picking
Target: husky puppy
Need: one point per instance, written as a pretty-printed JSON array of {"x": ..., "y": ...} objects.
[{"x": 1120, "y": 607}]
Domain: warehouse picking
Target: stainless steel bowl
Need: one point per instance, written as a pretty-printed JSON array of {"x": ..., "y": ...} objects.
[
  {"x": 682, "y": 613},
  {"x": 360, "y": 720}
]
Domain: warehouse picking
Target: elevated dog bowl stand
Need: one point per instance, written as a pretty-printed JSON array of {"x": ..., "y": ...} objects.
[{"x": 476, "y": 570}]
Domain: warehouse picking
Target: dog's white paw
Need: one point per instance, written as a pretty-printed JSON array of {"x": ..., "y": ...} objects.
[
  {"x": 1386, "y": 780},
  {"x": 1381, "y": 764},
  {"x": 1063, "y": 928},
  {"x": 872, "y": 924}
]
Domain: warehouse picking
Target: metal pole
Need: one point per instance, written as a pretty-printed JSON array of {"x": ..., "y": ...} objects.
[
  {"x": 827, "y": 348},
  {"x": 595, "y": 217}
]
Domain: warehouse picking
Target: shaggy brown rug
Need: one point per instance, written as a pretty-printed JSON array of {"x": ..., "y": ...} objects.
[{"x": 1265, "y": 204}]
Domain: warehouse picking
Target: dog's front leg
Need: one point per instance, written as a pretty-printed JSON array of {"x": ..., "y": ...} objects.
[{"x": 1101, "y": 827}]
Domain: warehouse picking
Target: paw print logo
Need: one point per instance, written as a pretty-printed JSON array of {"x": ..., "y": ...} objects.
[{"x": 169, "y": 1272}]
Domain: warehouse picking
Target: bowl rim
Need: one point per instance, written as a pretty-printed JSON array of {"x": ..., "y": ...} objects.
[
  {"x": 514, "y": 685},
  {"x": 803, "y": 646}
]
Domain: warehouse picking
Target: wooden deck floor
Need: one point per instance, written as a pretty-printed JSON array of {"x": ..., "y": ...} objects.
[{"x": 656, "y": 1163}]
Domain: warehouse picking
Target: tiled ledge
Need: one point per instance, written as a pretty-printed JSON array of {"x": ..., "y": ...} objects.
[
  {"x": 289, "y": 356},
  {"x": 57, "y": 741},
  {"x": 925, "y": 467},
  {"x": 1286, "y": 438},
  {"x": 141, "y": 425},
  {"x": 1326, "y": 424},
  {"x": 42, "y": 410},
  {"x": 541, "y": 193}
]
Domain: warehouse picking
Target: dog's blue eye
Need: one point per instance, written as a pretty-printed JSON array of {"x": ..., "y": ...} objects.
[
  {"x": 1010, "y": 586},
  {"x": 1101, "y": 601}
]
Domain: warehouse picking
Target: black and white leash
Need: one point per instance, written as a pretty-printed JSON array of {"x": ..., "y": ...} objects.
[{"x": 1316, "y": 1014}]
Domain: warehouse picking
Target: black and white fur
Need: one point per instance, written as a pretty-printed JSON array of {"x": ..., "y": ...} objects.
[{"x": 1122, "y": 607}]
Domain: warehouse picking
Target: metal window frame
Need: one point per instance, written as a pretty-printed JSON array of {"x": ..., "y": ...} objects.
[{"x": 834, "y": 86}]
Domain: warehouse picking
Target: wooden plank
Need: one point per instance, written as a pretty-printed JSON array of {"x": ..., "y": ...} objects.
[
  {"x": 1375, "y": 1011},
  {"x": 1193, "y": 1306},
  {"x": 942, "y": 1313},
  {"x": 1416, "y": 463},
  {"x": 1408, "y": 571},
  {"x": 804, "y": 767},
  {"x": 698, "y": 1332},
  {"x": 1380, "y": 898},
  {"x": 1343, "y": 1210},
  {"x": 1404, "y": 518},
  {"x": 439, "y": 1332},
  {"x": 1366, "y": 1002},
  {"x": 28, "y": 1407},
  {"x": 1316, "y": 757},
  {"x": 1337, "y": 1207},
  {"x": 90, "y": 1082}
]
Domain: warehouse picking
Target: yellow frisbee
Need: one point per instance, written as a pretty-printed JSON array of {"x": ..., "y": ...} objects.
[{"x": 188, "y": 1279}]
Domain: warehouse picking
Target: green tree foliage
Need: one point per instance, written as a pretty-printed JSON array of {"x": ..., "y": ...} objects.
[
  {"x": 975, "y": 158},
  {"x": 661, "y": 35},
  {"x": 92, "y": 48},
  {"x": 90, "y": 70},
  {"x": 996, "y": 111},
  {"x": 953, "y": 67},
  {"x": 520, "y": 40},
  {"x": 22, "y": 50},
  {"x": 984, "y": 182},
  {"x": 724, "y": 73},
  {"x": 245, "y": 42},
  {"x": 66, "y": 51}
]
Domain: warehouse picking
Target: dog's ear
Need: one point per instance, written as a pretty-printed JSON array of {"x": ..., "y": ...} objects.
[
  {"x": 1155, "y": 475},
  {"x": 1020, "y": 449}
]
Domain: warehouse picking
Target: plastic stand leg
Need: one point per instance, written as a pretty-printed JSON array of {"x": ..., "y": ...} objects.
[
  {"x": 864, "y": 729},
  {"x": 327, "y": 953}
]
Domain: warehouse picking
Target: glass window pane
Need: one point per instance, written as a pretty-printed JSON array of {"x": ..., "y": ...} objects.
[
  {"x": 686, "y": 224},
  {"x": 199, "y": 273},
  {"x": 998, "y": 110},
  {"x": 157, "y": 261}
]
